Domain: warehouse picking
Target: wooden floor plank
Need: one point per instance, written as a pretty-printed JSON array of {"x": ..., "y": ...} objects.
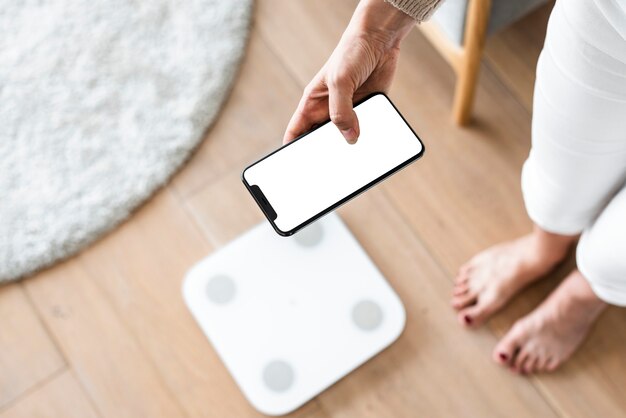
[
  {"x": 303, "y": 33},
  {"x": 60, "y": 397},
  {"x": 107, "y": 359},
  {"x": 27, "y": 353},
  {"x": 208, "y": 208},
  {"x": 434, "y": 360}
]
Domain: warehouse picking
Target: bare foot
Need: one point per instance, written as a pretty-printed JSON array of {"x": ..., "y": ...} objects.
[
  {"x": 545, "y": 338},
  {"x": 486, "y": 282}
]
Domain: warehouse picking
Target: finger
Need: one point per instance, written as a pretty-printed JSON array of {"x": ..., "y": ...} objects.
[
  {"x": 340, "y": 109},
  {"x": 312, "y": 109},
  {"x": 299, "y": 123}
]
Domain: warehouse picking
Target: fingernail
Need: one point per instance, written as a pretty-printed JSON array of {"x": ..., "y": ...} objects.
[
  {"x": 468, "y": 319},
  {"x": 349, "y": 134},
  {"x": 503, "y": 357}
]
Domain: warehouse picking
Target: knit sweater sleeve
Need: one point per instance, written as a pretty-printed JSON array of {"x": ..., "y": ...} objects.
[{"x": 420, "y": 10}]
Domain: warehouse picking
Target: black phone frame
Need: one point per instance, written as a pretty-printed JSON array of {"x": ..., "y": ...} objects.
[{"x": 345, "y": 199}]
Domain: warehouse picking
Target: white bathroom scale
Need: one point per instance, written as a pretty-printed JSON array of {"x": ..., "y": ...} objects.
[{"x": 291, "y": 316}]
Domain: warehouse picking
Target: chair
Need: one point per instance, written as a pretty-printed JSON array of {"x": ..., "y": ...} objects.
[{"x": 458, "y": 30}]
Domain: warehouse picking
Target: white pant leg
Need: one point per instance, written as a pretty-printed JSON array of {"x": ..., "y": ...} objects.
[
  {"x": 578, "y": 156},
  {"x": 601, "y": 252}
]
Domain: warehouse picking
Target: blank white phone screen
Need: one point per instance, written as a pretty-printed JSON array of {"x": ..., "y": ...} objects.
[{"x": 314, "y": 173}]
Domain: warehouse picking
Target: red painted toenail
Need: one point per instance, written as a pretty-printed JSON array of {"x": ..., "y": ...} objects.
[
  {"x": 468, "y": 319},
  {"x": 503, "y": 357}
]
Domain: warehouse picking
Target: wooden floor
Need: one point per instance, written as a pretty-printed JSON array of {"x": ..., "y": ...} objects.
[{"x": 106, "y": 334}]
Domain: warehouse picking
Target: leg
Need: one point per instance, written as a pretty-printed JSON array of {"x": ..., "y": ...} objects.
[
  {"x": 578, "y": 157},
  {"x": 601, "y": 253},
  {"x": 577, "y": 161},
  {"x": 469, "y": 62},
  {"x": 575, "y": 168},
  {"x": 549, "y": 335}
]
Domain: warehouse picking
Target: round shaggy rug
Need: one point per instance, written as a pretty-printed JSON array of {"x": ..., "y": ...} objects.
[{"x": 100, "y": 102}]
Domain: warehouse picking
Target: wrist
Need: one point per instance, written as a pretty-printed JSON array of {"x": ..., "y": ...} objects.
[{"x": 383, "y": 21}]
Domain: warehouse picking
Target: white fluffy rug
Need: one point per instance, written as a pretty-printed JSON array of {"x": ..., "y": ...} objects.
[{"x": 100, "y": 102}]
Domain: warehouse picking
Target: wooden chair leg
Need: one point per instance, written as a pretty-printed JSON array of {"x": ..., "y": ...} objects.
[{"x": 468, "y": 66}]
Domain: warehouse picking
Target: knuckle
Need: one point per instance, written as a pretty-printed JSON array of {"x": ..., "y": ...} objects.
[
  {"x": 303, "y": 110},
  {"x": 308, "y": 91},
  {"x": 300, "y": 112},
  {"x": 304, "y": 102},
  {"x": 338, "y": 79},
  {"x": 340, "y": 118},
  {"x": 333, "y": 81}
]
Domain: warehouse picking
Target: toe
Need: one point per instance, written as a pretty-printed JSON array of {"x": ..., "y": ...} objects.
[
  {"x": 460, "y": 289},
  {"x": 530, "y": 366},
  {"x": 524, "y": 365},
  {"x": 540, "y": 365},
  {"x": 465, "y": 269},
  {"x": 552, "y": 364},
  {"x": 463, "y": 276},
  {"x": 501, "y": 358},
  {"x": 477, "y": 314},
  {"x": 463, "y": 301},
  {"x": 508, "y": 347},
  {"x": 520, "y": 361},
  {"x": 461, "y": 280}
]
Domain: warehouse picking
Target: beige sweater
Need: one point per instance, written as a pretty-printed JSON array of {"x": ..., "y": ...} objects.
[{"x": 419, "y": 10}]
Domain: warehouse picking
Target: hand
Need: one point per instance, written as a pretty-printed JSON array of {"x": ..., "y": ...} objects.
[{"x": 363, "y": 62}]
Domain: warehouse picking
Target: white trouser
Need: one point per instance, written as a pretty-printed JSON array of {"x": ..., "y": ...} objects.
[{"x": 574, "y": 179}]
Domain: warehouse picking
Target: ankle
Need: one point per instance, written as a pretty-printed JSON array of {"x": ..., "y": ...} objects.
[
  {"x": 550, "y": 248},
  {"x": 583, "y": 295},
  {"x": 575, "y": 296}
]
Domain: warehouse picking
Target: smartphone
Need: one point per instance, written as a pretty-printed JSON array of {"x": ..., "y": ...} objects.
[{"x": 319, "y": 171}]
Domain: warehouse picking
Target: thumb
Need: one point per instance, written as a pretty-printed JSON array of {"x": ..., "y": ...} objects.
[{"x": 341, "y": 112}]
